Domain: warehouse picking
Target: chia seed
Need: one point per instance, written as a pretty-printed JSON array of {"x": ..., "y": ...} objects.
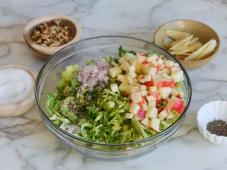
[{"x": 217, "y": 127}]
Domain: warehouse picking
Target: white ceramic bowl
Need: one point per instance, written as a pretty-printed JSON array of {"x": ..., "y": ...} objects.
[
  {"x": 214, "y": 110},
  {"x": 16, "y": 90}
]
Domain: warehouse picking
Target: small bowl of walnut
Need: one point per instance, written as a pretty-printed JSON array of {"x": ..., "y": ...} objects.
[{"x": 47, "y": 35}]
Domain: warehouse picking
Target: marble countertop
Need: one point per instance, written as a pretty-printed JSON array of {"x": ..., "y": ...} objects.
[{"x": 25, "y": 144}]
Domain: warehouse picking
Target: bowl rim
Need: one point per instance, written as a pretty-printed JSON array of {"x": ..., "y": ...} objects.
[
  {"x": 48, "y": 50},
  {"x": 193, "y": 21},
  {"x": 112, "y": 144}
]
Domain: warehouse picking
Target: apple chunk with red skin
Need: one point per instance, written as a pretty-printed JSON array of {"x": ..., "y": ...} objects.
[
  {"x": 166, "y": 83},
  {"x": 176, "y": 104}
]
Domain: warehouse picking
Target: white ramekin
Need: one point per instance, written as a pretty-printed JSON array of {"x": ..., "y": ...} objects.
[{"x": 213, "y": 110}]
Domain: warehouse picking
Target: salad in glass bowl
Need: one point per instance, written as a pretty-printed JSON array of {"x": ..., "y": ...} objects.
[
  {"x": 113, "y": 97},
  {"x": 118, "y": 100}
]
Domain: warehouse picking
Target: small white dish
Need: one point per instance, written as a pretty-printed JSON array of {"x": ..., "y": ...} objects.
[
  {"x": 214, "y": 110},
  {"x": 16, "y": 90}
]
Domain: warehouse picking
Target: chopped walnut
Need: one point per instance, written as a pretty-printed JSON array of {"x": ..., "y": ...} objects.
[{"x": 52, "y": 35}]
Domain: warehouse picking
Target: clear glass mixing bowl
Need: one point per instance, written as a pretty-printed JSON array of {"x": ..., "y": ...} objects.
[{"x": 94, "y": 48}]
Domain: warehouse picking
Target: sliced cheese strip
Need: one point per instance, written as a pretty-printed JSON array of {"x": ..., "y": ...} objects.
[
  {"x": 189, "y": 48},
  {"x": 194, "y": 46},
  {"x": 187, "y": 53},
  {"x": 167, "y": 42},
  {"x": 193, "y": 40},
  {"x": 177, "y": 35},
  {"x": 174, "y": 42},
  {"x": 208, "y": 50},
  {"x": 182, "y": 43},
  {"x": 199, "y": 51},
  {"x": 178, "y": 52}
]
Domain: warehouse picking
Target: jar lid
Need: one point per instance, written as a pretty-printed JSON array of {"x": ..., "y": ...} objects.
[{"x": 16, "y": 90}]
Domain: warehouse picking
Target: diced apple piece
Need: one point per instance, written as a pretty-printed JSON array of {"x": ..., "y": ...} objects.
[
  {"x": 134, "y": 108},
  {"x": 125, "y": 65},
  {"x": 132, "y": 74},
  {"x": 146, "y": 122},
  {"x": 162, "y": 115},
  {"x": 114, "y": 71},
  {"x": 152, "y": 103},
  {"x": 178, "y": 76},
  {"x": 177, "y": 93},
  {"x": 176, "y": 104},
  {"x": 122, "y": 78},
  {"x": 155, "y": 95},
  {"x": 160, "y": 84},
  {"x": 133, "y": 62},
  {"x": 175, "y": 69},
  {"x": 150, "y": 98},
  {"x": 147, "y": 78},
  {"x": 157, "y": 78},
  {"x": 160, "y": 67},
  {"x": 136, "y": 97},
  {"x": 132, "y": 69},
  {"x": 143, "y": 104},
  {"x": 125, "y": 87},
  {"x": 176, "y": 65},
  {"x": 135, "y": 82},
  {"x": 130, "y": 79},
  {"x": 143, "y": 92},
  {"x": 140, "y": 114},
  {"x": 129, "y": 115},
  {"x": 169, "y": 63},
  {"x": 114, "y": 87},
  {"x": 152, "y": 58},
  {"x": 146, "y": 67},
  {"x": 143, "y": 101},
  {"x": 165, "y": 75},
  {"x": 149, "y": 83},
  {"x": 181, "y": 109},
  {"x": 141, "y": 58},
  {"x": 155, "y": 124},
  {"x": 152, "y": 112},
  {"x": 165, "y": 92},
  {"x": 153, "y": 89},
  {"x": 166, "y": 83},
  {"x": 145, "y": 107},
  {"x": 130, "y": 56},
  {"x": 155, "y": 60},
  {"x": 143, "y": 87},
  {"x": 152, "y": 71},
  {"x": 141, "y": 79},
  {"x": 135, "y": 89},
  {"x": 170, "y": 83},
  {"x": 170, "y": 116}
]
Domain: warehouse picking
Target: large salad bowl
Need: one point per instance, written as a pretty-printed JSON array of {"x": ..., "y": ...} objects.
[{"x": 93, "y": 48}]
